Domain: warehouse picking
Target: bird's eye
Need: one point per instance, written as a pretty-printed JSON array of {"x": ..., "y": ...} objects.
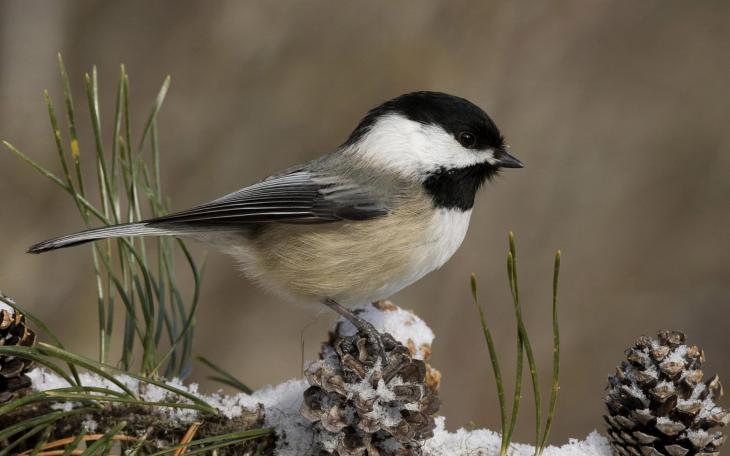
[{"x": 467, "y": 139}]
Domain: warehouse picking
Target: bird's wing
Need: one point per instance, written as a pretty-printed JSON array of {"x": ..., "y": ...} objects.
[{"x": 297, "y": 196}]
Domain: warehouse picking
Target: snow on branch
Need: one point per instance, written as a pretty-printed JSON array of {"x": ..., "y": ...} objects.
[{"x": 278, "y": 406}]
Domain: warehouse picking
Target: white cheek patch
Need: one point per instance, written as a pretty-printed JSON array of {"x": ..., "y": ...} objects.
[{"x": 412, "y": 148}]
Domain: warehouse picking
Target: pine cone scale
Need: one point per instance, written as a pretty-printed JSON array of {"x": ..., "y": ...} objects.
[{"x": 13, "y": 370}]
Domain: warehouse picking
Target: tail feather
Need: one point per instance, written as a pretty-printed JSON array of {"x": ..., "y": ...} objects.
[{"x": 82, "y": 237}]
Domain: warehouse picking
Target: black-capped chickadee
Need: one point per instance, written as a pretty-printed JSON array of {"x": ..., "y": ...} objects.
[{"x": 356, "y": 225}]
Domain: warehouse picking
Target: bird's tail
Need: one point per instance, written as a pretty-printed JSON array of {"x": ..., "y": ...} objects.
[{"x": 114, "y": 231}]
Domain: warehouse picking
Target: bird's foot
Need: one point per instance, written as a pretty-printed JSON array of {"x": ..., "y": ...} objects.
[
  {"x": 380, "y": 342},
  {"x": 377, "y": 340}
]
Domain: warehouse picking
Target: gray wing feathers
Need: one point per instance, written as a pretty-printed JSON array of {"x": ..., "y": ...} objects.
[
  {"x": 128, "y": 229},
  {"x": 295, "y": 197}
]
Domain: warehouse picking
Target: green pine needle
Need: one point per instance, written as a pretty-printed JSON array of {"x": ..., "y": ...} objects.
[
  {"x": 524, "y": 347},
  {"x": 555, "y": 387},
  {"x": 495, "y": 363},
  {"x": 224, "y": 377},
  {"x": 158, "y": 319}
]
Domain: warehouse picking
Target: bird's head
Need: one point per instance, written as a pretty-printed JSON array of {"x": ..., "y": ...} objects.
[{"x": 422, "y": 133}]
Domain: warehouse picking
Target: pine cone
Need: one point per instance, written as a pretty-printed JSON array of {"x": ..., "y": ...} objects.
[
  {"x": 658, "y": 404},
  {"x": 361, "y": 407},
  {"x": 13, "y": 331},
  {"x": 411, "y": 332}
]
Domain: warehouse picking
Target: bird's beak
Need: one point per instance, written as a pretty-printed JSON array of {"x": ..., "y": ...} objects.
[{"x": 507, "y": 160}]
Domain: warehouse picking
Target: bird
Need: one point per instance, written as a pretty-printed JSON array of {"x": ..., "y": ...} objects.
[{"x": 358, "y": 224}]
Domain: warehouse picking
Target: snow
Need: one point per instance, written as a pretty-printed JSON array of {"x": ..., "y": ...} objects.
[
  {"x": 639, "y": 394},
  {"x": 699, "y": 388},
  {"x": 282, "y": 402},
  {"x": 295, "y": 433},
  {"x": 708, "y": 409},
  {"x": 677, "y": 356},
  {"x": 697, "y": 433},
  {"x": 89, "y": 425},
  {"x": 4, "y": 306},
  {"x": 281, "y": 405},
  {"x": 483, "y": 442}
]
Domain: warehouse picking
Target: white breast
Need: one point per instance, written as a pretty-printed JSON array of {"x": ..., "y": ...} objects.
[
  {"x": 446, "y": 233},
  {"x": 441, "y": 239}
]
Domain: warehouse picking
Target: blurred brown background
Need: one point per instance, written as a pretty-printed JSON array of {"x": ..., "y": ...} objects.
[{"x": 619, "y": 109}]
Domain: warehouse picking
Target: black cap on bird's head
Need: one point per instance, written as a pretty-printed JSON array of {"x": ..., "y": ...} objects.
[{"x": 462, "y": 119}]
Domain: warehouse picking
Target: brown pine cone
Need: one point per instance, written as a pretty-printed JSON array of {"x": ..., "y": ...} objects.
[
  {"x": 658, "y": 404},
  {"x": 361, "y": 407}
]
